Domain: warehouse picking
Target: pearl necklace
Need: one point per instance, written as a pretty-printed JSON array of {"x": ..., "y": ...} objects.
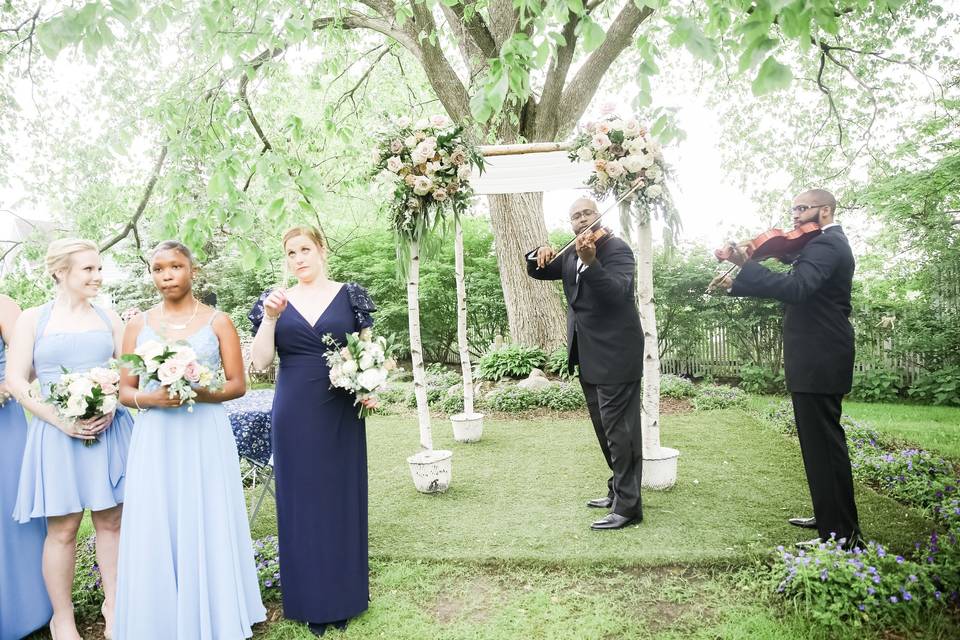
[{"x": 178, "y": 327}]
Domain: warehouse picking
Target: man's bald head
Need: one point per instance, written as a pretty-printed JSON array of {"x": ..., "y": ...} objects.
[
  {"x": 820, "y": 197},
  {"x": 814, "y": 205},
  {"x": 583, "y": 213}
]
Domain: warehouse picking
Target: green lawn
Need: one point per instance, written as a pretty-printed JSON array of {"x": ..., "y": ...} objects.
[
  {"x": 507, "y": 552},
  {"x": 936, "y": 429}
]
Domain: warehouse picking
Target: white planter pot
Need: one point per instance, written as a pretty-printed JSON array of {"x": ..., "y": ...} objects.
[
  {"x": 431, "y": 470},
  {"x": 467, "y": 427},
  {"x": 660, "y": 468}
]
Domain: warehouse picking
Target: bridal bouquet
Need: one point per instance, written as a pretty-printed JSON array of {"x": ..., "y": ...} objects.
[
  {"x": 361, "y": 367},
  {"x": 81, "y": 396},
  {"x": 174, "y": 366}
]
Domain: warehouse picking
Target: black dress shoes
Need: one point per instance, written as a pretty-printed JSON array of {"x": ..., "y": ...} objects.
[
  {"x": 806, "y": 523},
  {"x": 613, "y": 521},
  {"x": 320, "y": 628},
  {"x": 600, "y": 503}
]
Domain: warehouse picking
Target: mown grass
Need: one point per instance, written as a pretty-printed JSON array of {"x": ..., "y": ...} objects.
[
  {"x": 507, "y": 551},
  {"x": 936, "y": 429}
]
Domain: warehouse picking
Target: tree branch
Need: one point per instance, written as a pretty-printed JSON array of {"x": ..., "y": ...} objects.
[
  {"x": 585, "y": 83},
  {"x": 442, "y": 77},
  {"x": 147, "y": 192},
  {"x": 475, "y": 27},
  {"x": 548, "y": 109}
]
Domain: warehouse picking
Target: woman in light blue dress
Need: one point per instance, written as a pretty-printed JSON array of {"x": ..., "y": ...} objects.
[
  {"x": 24, "y": 605},
  {"x": 186, "y": 559},
  {"x": 60, "y": 478}
]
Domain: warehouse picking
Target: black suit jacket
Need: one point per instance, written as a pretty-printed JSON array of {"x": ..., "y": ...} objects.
[
  {"x": 818, "y": 340},
  {"x": 604, "y": 335}
]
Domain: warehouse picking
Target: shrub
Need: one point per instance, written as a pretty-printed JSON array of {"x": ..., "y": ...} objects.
[
  {"x": 512, "y": 399},
  {"x": 672, "y": 386},
  {"x": 876, "y": 384},
  {"x": 87, "y": 584},
  {"x": 563, "y": 397},
  {"x": 556, "y": 364},
  {"x": 266, "y": 554},
  {"x": 393, "y": 394},
  {"x": 779, "y": 415},
  {"x": 938, "y": 387},
  {"x": 451, "y": 403},
  {"x": 760, "y": 380},
  {"x": 510, "y": 361},
  {"x": 838, "y": 589},
  {"x": 718, "y": 397}
]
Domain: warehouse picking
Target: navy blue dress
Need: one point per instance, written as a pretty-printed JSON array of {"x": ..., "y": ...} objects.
[{"x": 320, "y": 460}]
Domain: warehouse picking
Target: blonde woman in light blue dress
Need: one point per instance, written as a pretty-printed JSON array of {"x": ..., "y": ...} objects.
[{"x": 60, "y": 477}]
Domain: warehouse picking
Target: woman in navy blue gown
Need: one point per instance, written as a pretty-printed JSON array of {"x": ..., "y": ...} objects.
[{"x": 319, "y": 443}]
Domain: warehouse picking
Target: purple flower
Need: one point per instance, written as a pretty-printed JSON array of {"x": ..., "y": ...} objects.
[
  {"x": 899, "y": 559},
  {"x": 893, "y": 599},
  {"x": 268, "y": 583},
  {"x": 823, "y": 575},
  {"x": 907, "y": 596},
  {"x": 871, "y": 591},
  {"x": 861, "y": 607},
  {"x": 937, "y": 594},
  {"x": 876, "y": 579},
  {"x": 913, "y": 578}
]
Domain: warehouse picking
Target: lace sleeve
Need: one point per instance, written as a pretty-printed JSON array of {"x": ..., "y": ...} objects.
[
  {"x": 362, "y": 305},
  {"x": 256, "y": 313}
]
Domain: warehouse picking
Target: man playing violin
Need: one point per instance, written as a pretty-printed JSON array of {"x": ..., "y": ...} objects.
[
  {"x": 818, "y": 352},
  {"x": 605, "y": 339}
]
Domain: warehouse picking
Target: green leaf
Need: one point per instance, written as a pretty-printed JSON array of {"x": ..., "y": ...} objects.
[
  {"x": 576, "y": 6},
  {"x": 592, "y": 33},
  {"x": 755, "y": 52},
  {"x": 772, "y": 76},
  {"x": 557, "y": 38},
  {"x": 689, "y": 34},
  {"x": 50, "y": 41},
  {"x": 127, "y": 9}
]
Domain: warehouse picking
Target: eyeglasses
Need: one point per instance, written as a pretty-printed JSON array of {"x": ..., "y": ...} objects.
[
  {"x": 800, "y": 208},
  {"x": 583, "y": 214}
]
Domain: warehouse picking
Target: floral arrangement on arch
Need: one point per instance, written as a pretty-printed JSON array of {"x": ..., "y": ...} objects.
[
  {"x": 624, "y": 155},
  {"x": 428, "y": 164}
]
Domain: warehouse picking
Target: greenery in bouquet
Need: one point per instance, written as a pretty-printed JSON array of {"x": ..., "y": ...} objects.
[
  {"x": 625, "y": 156},
  {"x": 85, "y": 395},
  {"x": 173, "y": 365},
  {"x": 427, "y": 165}
]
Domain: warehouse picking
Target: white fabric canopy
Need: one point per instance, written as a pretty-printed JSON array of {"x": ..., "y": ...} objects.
[{"x": 520, "y": 173}]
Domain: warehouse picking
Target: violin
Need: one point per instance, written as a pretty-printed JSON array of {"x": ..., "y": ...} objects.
[
  {"x": 775, "y": 243},
  {"x": 598, "y": 234}
]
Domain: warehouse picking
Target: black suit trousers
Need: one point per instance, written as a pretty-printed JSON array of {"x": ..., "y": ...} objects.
[
  {"x": 615, "y": 413},
  {"x": 826, "y": 460}
]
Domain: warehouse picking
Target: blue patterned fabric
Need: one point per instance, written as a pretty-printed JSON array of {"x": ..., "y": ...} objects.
[{"x": 250, "y": 419}]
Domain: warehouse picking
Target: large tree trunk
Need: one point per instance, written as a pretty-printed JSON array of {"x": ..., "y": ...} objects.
[
  {"x": 534, "y": 310},
  {"x": 416, "y": 347},
  {"x": 462, "y": 325},
  {"x": 650, "y": 420}
]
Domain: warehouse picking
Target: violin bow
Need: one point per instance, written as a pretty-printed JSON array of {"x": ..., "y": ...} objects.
[{"x": 595, "y": 222}]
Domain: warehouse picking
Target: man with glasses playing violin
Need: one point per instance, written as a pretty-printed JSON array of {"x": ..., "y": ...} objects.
[
  {"x": 818, "y": 351},
  {"x": 605, "y": 339}
]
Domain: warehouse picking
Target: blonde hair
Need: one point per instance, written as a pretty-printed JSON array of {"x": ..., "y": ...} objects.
[
  {"x": 60, "y": 252},
  {"x": 307, "y": 231}
]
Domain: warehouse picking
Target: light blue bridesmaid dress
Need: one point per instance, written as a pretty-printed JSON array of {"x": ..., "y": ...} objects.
[
  {"x": 60, "y": 475},
  {"x": 24, "y": 605},
  {"x": 186, "y": 559}
]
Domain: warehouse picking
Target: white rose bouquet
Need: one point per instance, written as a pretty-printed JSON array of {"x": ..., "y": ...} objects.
[
  {"x": 362, "y": 366},
  {"x": 174, "y": 366},
  {"x": 81, "y": 396}
]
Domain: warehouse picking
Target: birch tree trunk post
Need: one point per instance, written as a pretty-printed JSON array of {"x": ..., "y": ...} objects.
[
  {"x": 467, "y": 426},
  {"x": 416, "y": 347},
  {"x": 659, "y": 463},
  {"x": 430, "y": 469}
]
